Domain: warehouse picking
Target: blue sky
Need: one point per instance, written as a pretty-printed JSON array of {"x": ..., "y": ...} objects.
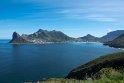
[{"x": 74, "y": 17}]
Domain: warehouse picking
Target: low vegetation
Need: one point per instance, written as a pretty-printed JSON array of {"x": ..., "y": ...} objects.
[
  {"x": 115, "y": 61},
  {"x": 106, "y": 69},
  {"x": 105, "y": 75}
]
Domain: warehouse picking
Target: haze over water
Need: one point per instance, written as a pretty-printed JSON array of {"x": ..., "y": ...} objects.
[{"x": 31, "y": 62}]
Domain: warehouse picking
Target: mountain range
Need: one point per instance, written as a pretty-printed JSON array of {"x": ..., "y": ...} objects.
[
  {"x": 108, "y": 37},
  {"x": 44, "y": 36}
]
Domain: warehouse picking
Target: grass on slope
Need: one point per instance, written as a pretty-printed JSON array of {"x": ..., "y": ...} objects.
[
  {"x": 105, "y": 75},
  {"x": 110, "y": 57}
]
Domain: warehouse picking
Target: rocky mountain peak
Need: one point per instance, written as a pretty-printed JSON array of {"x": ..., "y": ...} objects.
[
  {"x": 89, "y": 35},
  {"x": 16, "y": 38},
  {"x": 15, "y": 35},
  {"x": 40, "y": 31}
]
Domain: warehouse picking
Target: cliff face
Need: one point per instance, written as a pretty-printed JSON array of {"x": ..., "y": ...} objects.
[
  {"x": 16, "y": 38},
  {"x": 115, "y": 61}
]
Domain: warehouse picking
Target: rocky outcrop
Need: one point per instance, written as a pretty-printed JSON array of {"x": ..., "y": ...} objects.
[{"x": 16, "y": 38}]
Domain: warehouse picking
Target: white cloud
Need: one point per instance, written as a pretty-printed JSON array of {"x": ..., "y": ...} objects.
[
  {"x": 98, "y": 17},
  {"x": 109, "y": 30},
  {"x": 95, "y": 10}
]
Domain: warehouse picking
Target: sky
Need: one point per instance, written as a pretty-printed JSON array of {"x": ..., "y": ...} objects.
[{"x": 75, "y": 18}]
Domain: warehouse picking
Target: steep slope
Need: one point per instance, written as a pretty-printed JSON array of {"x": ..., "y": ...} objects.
[
  {"x": 16, "y": 38},
  {"x": 117, "y": 42},
  {"x": 106, "y": 69},
  {"x": 89, "y": 38},
  {"x": 105, "y": 75},
  {"x": 111, "y": 35},
  {"x": 115, "y": 61}
]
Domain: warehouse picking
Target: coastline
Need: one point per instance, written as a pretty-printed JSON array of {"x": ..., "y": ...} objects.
[
  {"x": 56, "y": 42},
  {"x": 120, "y": 48}
]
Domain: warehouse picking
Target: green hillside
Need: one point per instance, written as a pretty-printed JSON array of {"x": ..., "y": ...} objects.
[
  {"x": 105, "y": 75},
  {"x": 115, "y": 61},
  {"x": 106, "y": 69}
]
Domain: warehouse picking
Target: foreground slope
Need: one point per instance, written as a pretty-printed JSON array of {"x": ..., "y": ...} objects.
[
  {"x": 115, "y": 61},
  {"x": 106, "y": 75},
  {"x": 106, "y": 69}
]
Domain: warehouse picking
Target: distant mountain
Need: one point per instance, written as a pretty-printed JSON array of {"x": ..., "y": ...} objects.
[
  {"x": 44, "y": 36},
  {"x": 41, "y": 36},
  {"x": 117, "y": 42},
  {"x": 111, "y": 35},
  {"x": 89, "y": 38},
  {"x": 108, "y": 37}
]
